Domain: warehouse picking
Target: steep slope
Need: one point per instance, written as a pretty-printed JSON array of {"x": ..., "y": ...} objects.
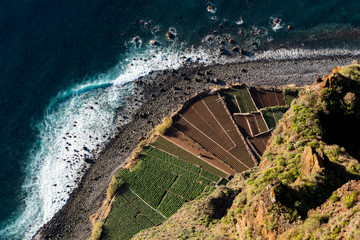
[{"x": 305, "y": 177}]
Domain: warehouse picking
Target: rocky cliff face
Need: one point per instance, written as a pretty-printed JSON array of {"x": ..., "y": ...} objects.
[{"x": 306, "y": 184}]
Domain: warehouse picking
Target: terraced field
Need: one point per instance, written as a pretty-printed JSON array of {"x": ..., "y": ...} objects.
[
  {"x": 264, "y": 99},
  {"x": 238, "y": 100},
  {"x": 273, "y": 115},
  {"x": 184, "y": 148},
  {"x": 129, "y": 215},
  {"x": 251, "y": 124},
  {"x": 235, "y": 155},
  {"x": 154, "y": 190},
  {"x": 260, "y": 141},
  {"x": 202, "y": 147}
]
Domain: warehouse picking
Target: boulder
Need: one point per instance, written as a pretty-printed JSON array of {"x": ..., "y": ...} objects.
[
  {"x": 170, "y": 35},
  {"x": 312, "y": 161},
  {"x": 154, "y": 42},
  {"x": 235, "y": 49}
]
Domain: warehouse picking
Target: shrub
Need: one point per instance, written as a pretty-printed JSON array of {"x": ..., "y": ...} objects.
[
  {"x": 349, "y": 199},
  {"x": 334, "y": 197},
  {"x": 96, "y": 231},
  {"x": 278, "y": 140},
  {"x": 114, "y": 186},
  {"x": 161, "y": 128}
]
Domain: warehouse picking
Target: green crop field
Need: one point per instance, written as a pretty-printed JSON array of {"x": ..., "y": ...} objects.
[
  {"x": 273, "y": 115},
  {"x": 180, "y": 167},
  {"x": 187, "y": 188},
  {"x": 167, "y": 146},
  {"x": 243, "y": 100},
  {"x": 128, "y": 216},
  {"x": 209, "y": 176},
  {"x": 171, "y": 159},
  {"x": 164, "y": 182},
  {"x": 262, "y": 124},
  {"x": 170, "y": 204}
]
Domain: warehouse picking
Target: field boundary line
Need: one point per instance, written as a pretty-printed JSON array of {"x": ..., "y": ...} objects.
[
  {"x": 277, "y": 100},
  {"x": 219, "y": 124},
  {"x": 262, "y": 116},
  {"x": 253, "y": 148},
  {"x": 237, "y": 103},
  {"x": 147, "y": 203},
  {"x": 207, "y": 123},
  {"x": 257, "y": 124},
  {"x": 247, "y": 121},
  {"x": 252, "y": 98},
  {"x": 215, "y": 142},
  {"x": 170, "y": 162},
  {"x": 201, "y": 158},
  {"x": 246, "y": 144}
]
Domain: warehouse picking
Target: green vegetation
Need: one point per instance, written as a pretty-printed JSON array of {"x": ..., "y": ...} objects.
[
  {"x": 269, "y": 119},
  {"x": 186, "y": 188},
  {"x": 291, "y": 94},
  {"x": 163, "y": 181},
  {"x": 129, "y": 215},
  {"x": 334, "y": 197},
  {"x": 349, "y": 199},
  {"x": 243, "y": 100},
  {"x": 161, "y": 128},
  {"x": 114, "y": 186},
  {"x": 167, "y": 146},
  {"x": 262, "y": 124},
  {"x": 170, "y": 204},
  {"x": 272, "y": 115},
  {"x": 97, "y": 230}
]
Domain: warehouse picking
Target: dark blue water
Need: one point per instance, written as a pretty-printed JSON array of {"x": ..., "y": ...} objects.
[{"x": 81, "y": 49}]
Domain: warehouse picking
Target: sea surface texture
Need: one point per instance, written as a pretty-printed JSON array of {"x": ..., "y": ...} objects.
[{"x": 67, "y": 67}]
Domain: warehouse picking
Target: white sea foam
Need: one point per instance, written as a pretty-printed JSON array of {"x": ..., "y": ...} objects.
[
  {"x": 76, "y": 122},
  {"x": 74, "y": 125},
  {"x": 240, "y": 21},
  {"x": 283, "y": 54}
]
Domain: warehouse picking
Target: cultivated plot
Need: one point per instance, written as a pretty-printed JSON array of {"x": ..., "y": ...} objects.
[
  {"x": 264, "y": 99},
  {"x": 238, "y": 100}
]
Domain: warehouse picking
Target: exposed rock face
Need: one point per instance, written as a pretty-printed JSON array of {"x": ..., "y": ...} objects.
[
  {"x": 312, "y": 161},
  {"x": 259, "y": 219},
  {"x": 337, "y": 218}
]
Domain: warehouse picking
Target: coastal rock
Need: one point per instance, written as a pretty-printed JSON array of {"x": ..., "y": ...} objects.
[
  {"x": 169, "y": 35},
  {"x": 232, "y": 41},
  {"x": 154, "y": 43},
  {"x": 235, "y": 49},
  {"x": 209, "y": 38}
]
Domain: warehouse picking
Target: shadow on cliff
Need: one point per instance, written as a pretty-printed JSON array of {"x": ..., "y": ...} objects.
[{"x": 312, "y": 192}]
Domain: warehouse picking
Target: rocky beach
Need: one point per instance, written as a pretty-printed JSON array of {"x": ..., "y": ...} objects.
[{"x": 160, "y": 94}]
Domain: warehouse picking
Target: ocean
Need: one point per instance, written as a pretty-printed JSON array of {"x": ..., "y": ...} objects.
[{"x": 67, "y": 68}]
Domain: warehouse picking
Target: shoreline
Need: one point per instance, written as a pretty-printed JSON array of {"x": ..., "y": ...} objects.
[{"x": 163, "y": 94}]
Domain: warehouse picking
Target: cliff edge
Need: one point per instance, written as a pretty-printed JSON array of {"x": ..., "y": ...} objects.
[{"x": 307, "y": 184}]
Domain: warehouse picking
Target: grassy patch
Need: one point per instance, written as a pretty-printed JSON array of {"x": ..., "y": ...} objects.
[{"x": 239, "y": 97}]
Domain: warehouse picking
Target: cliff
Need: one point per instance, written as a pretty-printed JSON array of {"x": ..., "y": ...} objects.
[{"x": 306, "y": 184}]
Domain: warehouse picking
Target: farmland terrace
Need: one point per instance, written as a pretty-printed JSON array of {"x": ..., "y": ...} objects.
[
  {"x": 210, "y": 139},
  {"x": 163, "y": 93}
]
